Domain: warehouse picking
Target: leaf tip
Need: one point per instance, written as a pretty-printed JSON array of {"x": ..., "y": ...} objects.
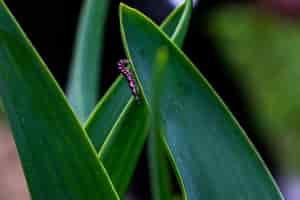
[{"x": 123, "y": 8}]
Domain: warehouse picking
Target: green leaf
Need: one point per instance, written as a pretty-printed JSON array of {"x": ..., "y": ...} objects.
[
  {"x": 83, "y": 84},
  {"x": 115, "y": 117},
  {"x": 122, "y": 148},
  {"x": 213, "y": 156},
  {"x": 269, "y": 80},
  {"x": 160, "y": 174},
  {"x": 58, "y": 160},
  {"x": 107, "y": 112},
  {"x": 161, "y": 184},
  {"x": 177, "y": 23},
  {"x": 182, "y": 27}
]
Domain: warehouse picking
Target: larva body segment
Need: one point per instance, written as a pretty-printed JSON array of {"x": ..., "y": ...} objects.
[{"x": 129, "y": 77}]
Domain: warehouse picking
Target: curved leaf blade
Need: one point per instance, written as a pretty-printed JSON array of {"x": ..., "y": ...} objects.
[
  {"x": 213, "y": 156},
  {"x": 182, "y": 27},
  {"x": 102, "y": 122},
  {"x": 160, "y": 173},
  {"x": 110, "y": 140},
  {"x": 83, "y": 84},
  {"x": 122, "y": 148},
  {"x": 118, "y": 95},
  {"x": 58, "y": 160},
  {"x": 107, "y": 112}
]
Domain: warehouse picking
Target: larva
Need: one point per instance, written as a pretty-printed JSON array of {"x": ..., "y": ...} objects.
[{"x": 129, "y": 77}]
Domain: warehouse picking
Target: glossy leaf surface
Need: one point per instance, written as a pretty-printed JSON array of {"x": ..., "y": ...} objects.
[
  {"x": 58, "y": 160},
  {"x": 84, "y": 80},
  {"x": 213, "y": 156}
]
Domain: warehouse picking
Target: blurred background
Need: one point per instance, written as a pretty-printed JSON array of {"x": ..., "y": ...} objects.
[{"x": 248, "y": 50}]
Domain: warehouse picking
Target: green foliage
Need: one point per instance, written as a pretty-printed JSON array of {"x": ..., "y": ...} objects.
[
  {"x": 117, "y": 113},
  {"x": 58, "y": 160},
  {"x": 212, "y": 154},
  {"x": 83, "y": 85},
  {"x": 263, "y": 54},
  {"x": 160, "y": 173},
  {"x": 64, "y": 159}
]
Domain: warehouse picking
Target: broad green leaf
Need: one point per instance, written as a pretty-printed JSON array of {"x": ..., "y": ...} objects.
[
  {"x": 107, "y": 115},
  {"x": 176, "y": 24},
  {"x": 82, "y": 88},
  {"x": 158, "y": 163},
  {"x": 161, "y": 183},
  {"x": 107, "y": 111},
  {"x": 160, "y": 174},
  {"x": 213, "y": 156},
  {"x": 58, "y": 160},
  {"x": 181, "y": 29},
  {"x": 122, "y": 148}
]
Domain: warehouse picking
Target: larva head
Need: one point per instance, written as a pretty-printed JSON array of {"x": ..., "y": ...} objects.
[{"x": 123, "y": 62}]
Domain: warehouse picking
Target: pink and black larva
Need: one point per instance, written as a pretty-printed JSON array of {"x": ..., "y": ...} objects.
[{"x": 129, "y": 77}]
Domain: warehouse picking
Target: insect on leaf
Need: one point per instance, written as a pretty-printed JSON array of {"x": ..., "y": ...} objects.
[
  {"x": 113, "y": 126},
  {"x": 214, "y": 158}
]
